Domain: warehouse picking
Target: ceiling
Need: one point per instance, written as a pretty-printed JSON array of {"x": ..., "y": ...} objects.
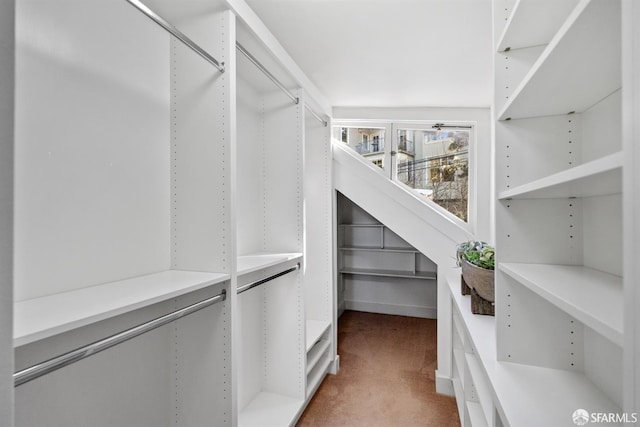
[{"x": 388, "y": 53}]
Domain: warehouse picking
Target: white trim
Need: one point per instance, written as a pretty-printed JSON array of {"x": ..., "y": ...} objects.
[
  {"x": 444, "y": 385},
  {"x": 396, "y": 309}
]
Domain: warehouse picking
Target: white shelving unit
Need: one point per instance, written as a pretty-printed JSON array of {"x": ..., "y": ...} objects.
[
  {"x": 319, "y": 293},
  {"x": 379, "y": 271},
  {"x": 147, "y": 180},
  {"x": 556, "y": 342},
  {"x": 270, "y": 159},
  {"x": 120, "y": 184},
  {"x": 517, "y": 392}
]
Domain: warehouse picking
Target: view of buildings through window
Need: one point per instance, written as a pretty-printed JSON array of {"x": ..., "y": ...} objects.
[
  {"x": 366, "y": 141},
  {"x": 434, "y": 161}
]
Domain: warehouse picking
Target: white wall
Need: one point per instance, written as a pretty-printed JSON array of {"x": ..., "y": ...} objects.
[
  {"x": 481, "y": 208},
  {"x": 6, "y": 210}
]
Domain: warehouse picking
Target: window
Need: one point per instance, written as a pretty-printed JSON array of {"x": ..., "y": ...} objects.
[{"x": 432, "y": 159}]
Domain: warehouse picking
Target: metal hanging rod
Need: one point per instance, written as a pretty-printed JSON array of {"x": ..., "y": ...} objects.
[
  {"x": 36, "y": 371},
  {"x": 266, "y": 72},
  {"x": 314, "y": 114},
  {"x": 277, "y": 82},
  {"x": 176, "y": 33},
  {"x": 252, "y": 285}
]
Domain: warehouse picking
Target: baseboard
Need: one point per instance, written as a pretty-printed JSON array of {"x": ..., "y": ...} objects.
[
  {"x": 444, "y": 385},
  {"x": 341, "y": 308},
  {"x": 383, "y": 308},
  {"x": 335, "y": 366}
]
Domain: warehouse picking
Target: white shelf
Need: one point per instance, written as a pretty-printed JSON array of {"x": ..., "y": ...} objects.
[
  {"x": 533, "y": 396},
  {"x": 43, "y": 317},
  {"x": 316, "y": 375},
  {"x": 567, "y": 76},
  {"x": 526, "y": 395},
  {"x": 596, "y": 178},
  {"x": 459, "y": 395},
  {"x": 315, "y": 329},
  {"x": 379, "y": 249},
  {"x": 534, "y": 23},
  {"x": 481, "y": 382},
  {"x": 458, "y": 359},
  {"x": 425, "y": 275},
  {"x": 591, "y": 296},
  {"x": 270, "y": 410},
  {"x": 256, "y": 261},
  {"x": 316, "y": 352},
  {"x": 476, "y": 416},
  {"x": 362, "y": 225}
]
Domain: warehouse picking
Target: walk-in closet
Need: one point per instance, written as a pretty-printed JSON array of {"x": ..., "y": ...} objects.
[{"x": 193, "y": 192}]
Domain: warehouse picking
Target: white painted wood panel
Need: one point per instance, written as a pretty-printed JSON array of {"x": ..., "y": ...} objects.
[
  {"x": 7, "y": 69},
  {"x": 92, "y": 158}
]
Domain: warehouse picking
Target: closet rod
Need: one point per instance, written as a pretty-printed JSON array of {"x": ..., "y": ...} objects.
[
  {"x": 76, "y": 355},
  {"x": 252, "y": 285},
  {"x": 176, "y": 33},
  {"x": 266, "y": 72},
  {"x": 314, "y": 114}
]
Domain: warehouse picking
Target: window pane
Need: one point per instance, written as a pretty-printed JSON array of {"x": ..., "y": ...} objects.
[
  {"x": 435, "y": 162},
  {"x": 369, "y": 142}
]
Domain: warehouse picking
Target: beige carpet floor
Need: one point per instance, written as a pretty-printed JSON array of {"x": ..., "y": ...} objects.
[{"x": 386, "y": 378}]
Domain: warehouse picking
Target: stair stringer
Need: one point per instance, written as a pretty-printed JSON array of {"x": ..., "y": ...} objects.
[{"x": 415, "y": 220}]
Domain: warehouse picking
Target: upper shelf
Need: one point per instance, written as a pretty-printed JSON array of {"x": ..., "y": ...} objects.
[
  {"x": 595, "y": 178},
  {"x": 39, "y": 318},
  {"x": 568, "y": 76},
  {"x": 589, "y": 295},
  {"x": 534, "y": 23},
  {"x": 257, "y": 261}
]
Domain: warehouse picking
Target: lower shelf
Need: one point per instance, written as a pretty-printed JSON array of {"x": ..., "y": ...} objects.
[
  {"x": 315, "y": 376},
  {"x": 525, "y": 395},
  {"x": 270, "y": 410},
  {"x": 423, "y": 275},
  {"x": 476, "y": 415}
]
